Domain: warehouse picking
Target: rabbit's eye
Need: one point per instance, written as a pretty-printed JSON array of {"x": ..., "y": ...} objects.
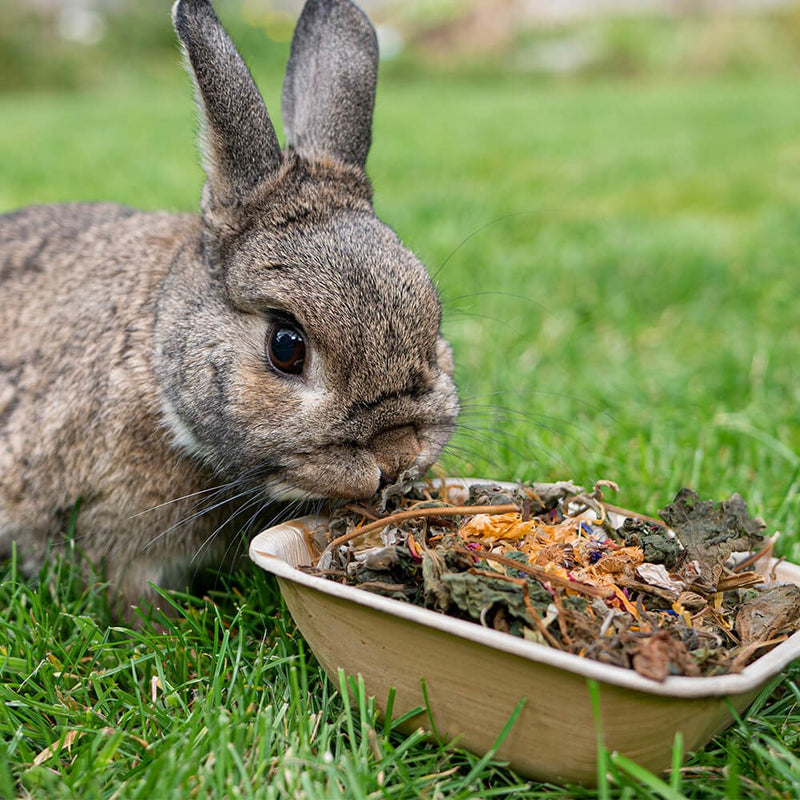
[{"x": 286, "y": 349}]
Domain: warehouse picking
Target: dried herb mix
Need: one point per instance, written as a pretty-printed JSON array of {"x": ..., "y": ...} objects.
[{"x": 559, "y": 566}]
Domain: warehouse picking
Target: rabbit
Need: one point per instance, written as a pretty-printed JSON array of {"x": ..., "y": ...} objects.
[{"x": 181, "y": 375}]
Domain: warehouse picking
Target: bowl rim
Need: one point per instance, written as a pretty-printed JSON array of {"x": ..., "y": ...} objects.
[{"x": 265, "y": 551}]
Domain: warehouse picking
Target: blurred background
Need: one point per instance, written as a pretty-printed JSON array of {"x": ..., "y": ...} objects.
[
  {"x": 60, "y": 44},
  {"x": 607, "y": 192}
]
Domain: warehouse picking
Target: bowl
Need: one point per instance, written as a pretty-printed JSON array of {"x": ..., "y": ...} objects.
[{"x": 475, "y": 677}]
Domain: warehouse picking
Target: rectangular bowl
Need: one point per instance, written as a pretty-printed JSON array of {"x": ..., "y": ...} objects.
[{"x": 474, "y": 677}]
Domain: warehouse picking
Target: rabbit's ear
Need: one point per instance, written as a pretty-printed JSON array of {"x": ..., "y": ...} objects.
[
  {"x": 238, "y": 141},
  {"x": 329, "y": 90}
]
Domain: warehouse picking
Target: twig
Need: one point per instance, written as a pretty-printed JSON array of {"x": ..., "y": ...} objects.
[
  {"x": 443, "y": 511},
  {"x": 625, "y": 512},
  {"x": 740, "y": 580},
  {"x": 743, "y": 657},
  {"x": 541, "y": 627},
  {"x": 381, "y": 586},
  {"x": 562, "y": 625},
  {"x": 362, "y": 510},
  {"x": 540, "y": 574},
  {"x": 752, "y": 558}
]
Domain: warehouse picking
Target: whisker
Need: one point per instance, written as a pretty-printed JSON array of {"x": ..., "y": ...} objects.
[
  {"x": 466, "y": 458},
  {"x": 479, "y": 438},
  {"x": 222, "y": 487},
  {"x": 258, "y": 499},
  {"x": 239, "y": 538},
  {"x": 503, "y": 414},
  {"x": 500, "y": 434},
  {"x": 475, "y": 233},
  {"x": 489, "y": 293},
  {"x": 545, "y": 393},
  {"x": 197, "y": 514},
  {"x": 466, "y": 454}
]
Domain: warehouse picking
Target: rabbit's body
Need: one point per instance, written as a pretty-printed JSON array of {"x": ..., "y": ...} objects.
[
  {"x": 78, "y": 417},
  {"x": 285, "y": 345}
]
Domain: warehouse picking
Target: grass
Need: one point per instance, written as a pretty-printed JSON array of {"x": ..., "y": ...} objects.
[{"x": 619, "y": 266}]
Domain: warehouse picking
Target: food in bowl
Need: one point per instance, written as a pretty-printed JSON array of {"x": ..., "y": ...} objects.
[{"x": 559, "y": 566}]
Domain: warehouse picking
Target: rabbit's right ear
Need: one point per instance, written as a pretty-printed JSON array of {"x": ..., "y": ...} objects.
[{"x": 238, "y": 141}]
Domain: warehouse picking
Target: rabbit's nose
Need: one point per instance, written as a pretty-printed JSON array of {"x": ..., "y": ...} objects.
[{"x": 395, "y": 449}]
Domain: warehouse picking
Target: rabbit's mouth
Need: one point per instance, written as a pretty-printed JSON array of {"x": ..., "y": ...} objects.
[{"x": 352, "y": 471}]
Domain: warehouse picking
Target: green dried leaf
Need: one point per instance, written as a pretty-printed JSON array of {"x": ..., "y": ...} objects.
[
  {"x": 475, "y": 595},
  {"x": 656, "y": 543},
  {"x": 710, "y": 532},
  {"x": 435, "y": 592}
]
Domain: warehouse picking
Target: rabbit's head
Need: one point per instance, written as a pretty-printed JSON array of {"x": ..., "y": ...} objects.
[{"x": 297, "y": 340}]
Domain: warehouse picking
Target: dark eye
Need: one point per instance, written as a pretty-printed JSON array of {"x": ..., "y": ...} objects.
[{"x": 286, "y": 349}]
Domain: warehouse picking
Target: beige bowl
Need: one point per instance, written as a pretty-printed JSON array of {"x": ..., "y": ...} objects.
[{"x": 475, "y": 677}]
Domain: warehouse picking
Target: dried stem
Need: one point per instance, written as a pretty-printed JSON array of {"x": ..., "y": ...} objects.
[
  {"x": 438, "y": 511},
  {"x": 541, "y": 627},
  {"x": 745, "y": 653},
  {"x": 540, "y": 574},
  {"x": 740, "y": 580},
  {"x": 751, "y": 559},
  {"x": 382, "y": 586},
  {"x": 363, "y": 511},
  {"x": 562, "y": 625},
  {"x": 625, "y": 512}
]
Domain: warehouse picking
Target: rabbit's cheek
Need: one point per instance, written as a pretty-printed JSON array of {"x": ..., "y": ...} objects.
[{"x": 338, "y": 472}]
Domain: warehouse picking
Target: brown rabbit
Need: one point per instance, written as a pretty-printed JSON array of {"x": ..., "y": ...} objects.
[{"x": 285, "y": 345}]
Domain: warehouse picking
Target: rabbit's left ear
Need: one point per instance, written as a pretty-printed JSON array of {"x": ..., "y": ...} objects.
[
  {"x": 329, "y": 90},
  {"x": 238, "y": 141}
]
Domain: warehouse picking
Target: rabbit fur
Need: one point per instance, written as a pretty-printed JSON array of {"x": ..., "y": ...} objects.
[{"x": 138, "y": 367}]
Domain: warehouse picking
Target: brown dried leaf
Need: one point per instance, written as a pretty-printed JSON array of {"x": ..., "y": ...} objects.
[
  {"x": 66, "y": 743},
  {"x": 660, "y": 655},
  {"x": 620, "y": 562},
  {"x": 774, "y": 612}
]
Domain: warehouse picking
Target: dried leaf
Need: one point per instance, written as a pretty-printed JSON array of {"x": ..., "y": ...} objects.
[
  {"x": 657, "y": 575},
  {"x": 710, "y": 532},
  {"x": 51, "y": 750},
  {"x": 658, "y": 544},
  {"x": 769, "y": 614},
  {"x": 474, "y": 595},
  {"x": 399, "y": 489},
  {"x": 495, "y": 526},
  {"x": 436, "y": 594},
  {"x": 661, "y": 655},
  {"x": 377, "y": 558},
  {"x": 620, "y": 562}
]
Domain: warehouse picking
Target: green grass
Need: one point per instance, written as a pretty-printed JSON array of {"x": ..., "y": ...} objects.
[{"x": 619, "y": 262}]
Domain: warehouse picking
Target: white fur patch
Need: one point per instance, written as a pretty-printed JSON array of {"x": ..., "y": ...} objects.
[
  {"x": 182, "y": 435},
  {"x": 285, "y": 491}
]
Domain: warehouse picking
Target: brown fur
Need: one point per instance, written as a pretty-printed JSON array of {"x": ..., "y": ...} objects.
[{"x": 133, "y": 373}]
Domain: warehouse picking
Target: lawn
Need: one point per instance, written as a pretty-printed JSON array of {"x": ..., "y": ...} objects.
[{"x": 619, "y": 266}]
